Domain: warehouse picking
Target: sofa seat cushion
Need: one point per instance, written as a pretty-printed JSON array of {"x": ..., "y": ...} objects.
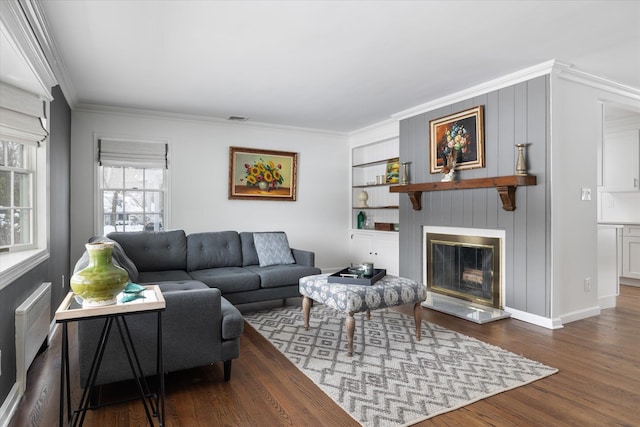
[
  {"x": 232, "y": 321},
  {"x": 181, "y": 285},
  {"x": 228, "y": 279},
  {"x": 162, "y": 276},
  {"x": 275, "y": 276}
]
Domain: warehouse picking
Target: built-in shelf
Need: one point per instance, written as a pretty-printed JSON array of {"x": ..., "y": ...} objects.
[
  {"x": 506, "y": 186},
  {"x": 377, "y": 207},
  {"x": 377, "y": 162},
  {"x": 375, "y": 185}
]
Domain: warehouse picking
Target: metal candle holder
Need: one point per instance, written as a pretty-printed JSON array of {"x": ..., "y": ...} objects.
[
  {"x": 405, "y": 173},
  {"x": 521, "y": 165}
]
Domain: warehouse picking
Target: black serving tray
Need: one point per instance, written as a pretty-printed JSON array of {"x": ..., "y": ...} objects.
[{"x": 364, "y": 281}]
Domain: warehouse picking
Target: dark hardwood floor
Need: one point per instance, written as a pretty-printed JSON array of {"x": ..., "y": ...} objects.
[{"x": 598, "y": 383}]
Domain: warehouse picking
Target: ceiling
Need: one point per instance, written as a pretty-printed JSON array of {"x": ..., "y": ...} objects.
[{"x": 331, "y": 65}]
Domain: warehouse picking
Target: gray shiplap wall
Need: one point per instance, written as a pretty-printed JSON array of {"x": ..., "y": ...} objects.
[{"x": 515, "y": 114}]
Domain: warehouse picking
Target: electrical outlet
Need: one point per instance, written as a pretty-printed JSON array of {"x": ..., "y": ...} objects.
[
  {"x": 586, "y": 194},
  {"x": 587, "y": 284}
]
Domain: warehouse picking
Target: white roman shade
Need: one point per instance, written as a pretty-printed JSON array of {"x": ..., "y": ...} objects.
[
  {"x": 139, "y": 154},
  {"x": 21, "y": 115}
]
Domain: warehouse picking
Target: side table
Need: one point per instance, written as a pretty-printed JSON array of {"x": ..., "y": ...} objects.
[{"x": 71, "y": 310}]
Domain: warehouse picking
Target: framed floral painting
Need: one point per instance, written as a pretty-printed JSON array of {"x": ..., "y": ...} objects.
[
  {"x": 262, "y": 174},
  {"x": 459, "y": 138}
]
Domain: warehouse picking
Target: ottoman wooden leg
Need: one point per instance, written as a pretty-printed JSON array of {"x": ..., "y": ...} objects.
[
  {"x": 417, "y": 315},
  {"x": 350, "y": 323},
  {"x": 368, "y": 314},
  {"x": 306, "y": 308}
]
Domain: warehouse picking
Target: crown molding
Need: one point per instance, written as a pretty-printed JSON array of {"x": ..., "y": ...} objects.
[
  {"x": 552, "y": 67},
  {"x": 152, "y": 114},
  {"x": 17, "y": 28},
  {"x": 486, "y": 87},
  {"x": 569, "y": 73},
  {"x": 387, "y": 129},
  {"x": 38, "y": 21}
]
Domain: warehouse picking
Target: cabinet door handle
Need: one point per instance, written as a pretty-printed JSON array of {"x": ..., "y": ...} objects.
[{"x": 635, "y": 182}]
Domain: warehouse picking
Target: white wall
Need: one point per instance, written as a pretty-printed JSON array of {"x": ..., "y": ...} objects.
[
  {"x": 199, "y": 170},
  {"x": 576, "y": 134}
]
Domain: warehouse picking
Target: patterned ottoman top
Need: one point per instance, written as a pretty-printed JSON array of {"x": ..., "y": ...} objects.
[{"x": 390, "y": 291}]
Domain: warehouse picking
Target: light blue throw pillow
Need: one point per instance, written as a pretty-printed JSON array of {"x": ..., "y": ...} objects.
[{"x": 273, "y": 249}]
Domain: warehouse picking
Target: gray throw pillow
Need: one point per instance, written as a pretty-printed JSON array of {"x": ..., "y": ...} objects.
[{"x": 273, "y": 249}]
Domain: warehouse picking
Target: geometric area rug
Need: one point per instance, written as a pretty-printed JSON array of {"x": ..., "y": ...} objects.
[{"x": 392, "y": 379}]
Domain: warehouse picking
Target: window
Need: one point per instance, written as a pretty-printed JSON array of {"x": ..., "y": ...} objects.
[
  {"x": 132, "y": 199},
  {"x": 133, "y": 185},
  {"x": 17, "y": 170}
]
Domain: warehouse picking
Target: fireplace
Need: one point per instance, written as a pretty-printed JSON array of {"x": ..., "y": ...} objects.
[{"x": 465, "y": 263}]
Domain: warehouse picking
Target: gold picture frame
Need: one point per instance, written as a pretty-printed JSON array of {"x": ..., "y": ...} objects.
[
  {"x": 257, "y": 174},
  {"x": 462, "y": 132}
]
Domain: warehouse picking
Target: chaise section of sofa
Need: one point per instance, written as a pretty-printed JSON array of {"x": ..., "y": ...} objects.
[
  {"x": 201, "y": 276},
  {"x": 214, "y": 328}
]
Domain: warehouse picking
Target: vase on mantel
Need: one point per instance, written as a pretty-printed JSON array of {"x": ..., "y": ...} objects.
[{"x": 101, "y": 281}]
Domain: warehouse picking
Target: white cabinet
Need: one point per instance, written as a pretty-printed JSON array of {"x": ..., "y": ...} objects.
[
  {"x": 380, "y": 247},
  {"x": 631, "y": 252},
  {"x": 621, "y": 161}
]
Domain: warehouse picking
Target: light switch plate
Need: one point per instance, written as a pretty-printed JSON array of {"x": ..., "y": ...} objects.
[{"x": 586, "y": 194}]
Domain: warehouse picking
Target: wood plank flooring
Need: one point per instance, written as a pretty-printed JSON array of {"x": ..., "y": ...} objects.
[{"x": 598, "y": 383}]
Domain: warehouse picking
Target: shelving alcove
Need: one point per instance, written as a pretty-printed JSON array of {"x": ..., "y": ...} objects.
[{"x": 369, "y": 245}]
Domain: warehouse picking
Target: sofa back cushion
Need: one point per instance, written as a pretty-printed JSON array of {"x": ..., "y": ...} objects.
[
  {"x": 154, "y": 250},
  {"x": 249, "y": 254},
  {"x": 213, "y": 250}
]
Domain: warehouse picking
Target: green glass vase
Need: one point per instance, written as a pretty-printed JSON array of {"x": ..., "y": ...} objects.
[{"x": 101, "y": 281}]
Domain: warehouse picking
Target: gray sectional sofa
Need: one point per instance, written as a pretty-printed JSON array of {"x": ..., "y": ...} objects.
[
  {"x": 226, "y": 260},
  {"x": 201, "y": 276}
]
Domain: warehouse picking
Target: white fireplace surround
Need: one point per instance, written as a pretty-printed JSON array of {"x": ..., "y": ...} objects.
[{"x": 475, "y": 232}]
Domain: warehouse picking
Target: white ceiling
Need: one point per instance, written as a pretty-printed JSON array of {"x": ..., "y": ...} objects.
[{"x": 332, "y": 65}]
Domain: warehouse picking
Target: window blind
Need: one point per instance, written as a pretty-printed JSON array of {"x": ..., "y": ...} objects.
[
  {"x": 21, "y": 115},
  {"x": 140, "y": 154}
]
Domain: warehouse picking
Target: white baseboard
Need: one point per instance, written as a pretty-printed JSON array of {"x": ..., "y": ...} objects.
[
  {"x": 545, "y": 322},
  {"x": 581, "y": 314},
  {"x": 10, "y": 405},
  {"x": 629, "y": 281},
  {"x": 607, "y": 301}
]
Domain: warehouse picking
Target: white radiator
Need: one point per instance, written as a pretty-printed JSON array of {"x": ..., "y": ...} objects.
[{"x": 32, "y": 327}]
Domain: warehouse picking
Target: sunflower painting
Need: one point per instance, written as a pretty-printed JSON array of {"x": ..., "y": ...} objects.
[{"x": 262, "y": 174}]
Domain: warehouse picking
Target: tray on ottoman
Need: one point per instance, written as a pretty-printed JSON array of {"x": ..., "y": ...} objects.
[{"x": 345, "y": 277}]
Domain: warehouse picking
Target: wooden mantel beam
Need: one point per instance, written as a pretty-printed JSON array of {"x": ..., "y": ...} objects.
[{"x": 506, "y": 186}]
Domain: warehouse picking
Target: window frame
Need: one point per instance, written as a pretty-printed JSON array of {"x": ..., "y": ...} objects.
[
  {"x": 99, "y": 190},
  {"x": 15, "y": 263},
  {"x": 29, "y": 168}
]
